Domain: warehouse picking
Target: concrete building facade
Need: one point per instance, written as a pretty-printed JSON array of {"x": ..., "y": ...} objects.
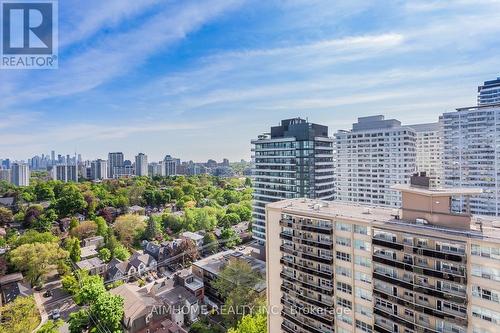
[
  {"x": 294, "y": 160},
  {"x": 343, "y": 267},
  {"x": 371, "y": 157},
  {"x": 429, "y": 151}
]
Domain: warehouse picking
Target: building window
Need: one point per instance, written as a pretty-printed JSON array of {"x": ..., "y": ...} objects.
[
  {"x": 344, "y": 271},
  {"x": 487, "y": 294},
  {"x": 343, "y": 256},
  {"x": 343, "y": 226},
  {"x": 363, "y": 326},
  {"x": 344, "y": 287},
  {"x": 360, "y": 276},
  {"x": 363, "y": 294},
  {"x": 362, "y": 261},
  {"x": 343, "y": 241}
]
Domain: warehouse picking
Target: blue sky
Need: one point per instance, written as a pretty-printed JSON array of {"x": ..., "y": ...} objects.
[{"x": 200, "y": 79}]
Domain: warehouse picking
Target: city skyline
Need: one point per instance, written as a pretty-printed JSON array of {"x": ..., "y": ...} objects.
[{"x": 217, "y": 71}]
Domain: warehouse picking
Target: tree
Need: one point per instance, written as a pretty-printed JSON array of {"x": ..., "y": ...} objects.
[
  {"x": 210, "y": 242},
  {"x": 32, "y": 214},
  {"x": 84, "y": 230},
  {"x": 72, "y": 245},
  {"x": 187, "y": 248},
  {"x": 79, "y": 320},
  {"x": 153, "y": 229},
  {"x": 105, "y": 309},
  {"x": 70, "y": 201},
  {"x": 248, "y": 182},
  {"x": 172, "y": 222},
  {"x": 230, "y": 219},
  {"x": 129, "y": 228},
  {"x": 236, "y": 285},
  {"x": 230, "y": 238},
  {"x": 19, "y": 316},
  {"x": 102, "y": 226},
  {"x": 44, "y": 191},
  {"x": 110, "y": 241},
  {"x": 51, "y": 326},
  {"x": 104, "y": 254},
  {"x": 37, "y": 259},
  {"x": 6, "y": 216},
  {"x": 108, "y": 310},
  {"x": 45, "y": 221},
  {"x": 33, "y": 236},
  {"x": 251, "y": 323},
  {"x": 121, "y": 252}
]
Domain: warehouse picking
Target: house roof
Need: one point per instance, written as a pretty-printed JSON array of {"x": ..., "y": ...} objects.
[
  {"x": 9, "y": 278},
  {"x": 7, "y": 201},
  {"x": 136, "y": 303},
  {"x": 192, "y": 235},
  {"x": 88, "y": 264},
  {"x": 138, "y": 259}
]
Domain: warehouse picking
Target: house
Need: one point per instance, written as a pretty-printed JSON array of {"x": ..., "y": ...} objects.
[
  {"x": 12, "y": 286},
  {"x": 88, "y": 252},
  {"x": 208, "y": 269},
  {"x": 191, "y": 282},
  {"x": 136, "y": 266},
  {"x": 196, "y": 238},
  {"x": 241, "y": 229},
  {"x": 139, "y": 308},
  {"x": 79, "y": 217},
  {"x": 64, "y": 224},
  {"x": 141, "y": 263},
  {"x": 97, "y": 241},
  {"x": 94, "y": 266},
  {"x": 8, "y": 202},
  {"x": 161, "y": 306},
  {"x": 137, "y": 210},
  {"x": 117, "y": 270},
  {"x": 168, "y": 326},
  {"x": 161, "y": 252}
]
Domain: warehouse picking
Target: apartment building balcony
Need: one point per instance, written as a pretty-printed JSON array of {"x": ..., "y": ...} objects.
[
  {"x": 324, "y": 303},
  {"x": 326, "y": 290},
  {"x": 309, "y": 270},
  {"x": 323, "y": 259},
  {"x": 324, "y": 317}
]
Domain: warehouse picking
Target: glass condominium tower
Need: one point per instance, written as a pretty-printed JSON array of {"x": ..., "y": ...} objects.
[{"x": 295, "y": 160}]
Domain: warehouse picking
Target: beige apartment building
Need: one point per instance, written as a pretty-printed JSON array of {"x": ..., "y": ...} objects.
[{"x": 337, "y": 267}]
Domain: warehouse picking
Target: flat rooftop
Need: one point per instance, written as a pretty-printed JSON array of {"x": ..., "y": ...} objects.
[
  {"x": 383, "y": 216},
  {"x": 438, "y": 191}
]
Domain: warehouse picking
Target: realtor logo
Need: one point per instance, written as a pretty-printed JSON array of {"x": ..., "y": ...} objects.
[{"x": 29, "y": 33}]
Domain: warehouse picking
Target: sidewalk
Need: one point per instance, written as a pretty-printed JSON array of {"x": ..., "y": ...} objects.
[{"x": 41, "y": 309}]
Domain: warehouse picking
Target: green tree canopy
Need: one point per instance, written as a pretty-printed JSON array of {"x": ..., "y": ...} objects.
[
  {"x": 19, "y": 316},
  {"x": 37, "y": 260}
]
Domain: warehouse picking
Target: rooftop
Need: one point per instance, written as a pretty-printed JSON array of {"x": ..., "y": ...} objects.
[
  {"x": 438, "y": 191},
  {"x": 482, "y": 227},
  {"x": 90, "y": 263},
  {"x": 216, "y": 262}
]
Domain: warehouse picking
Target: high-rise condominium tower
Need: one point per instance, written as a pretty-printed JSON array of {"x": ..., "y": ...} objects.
[
  {"x": 65, "y": 173},
  {"x": 20, "y": 174},
  {"x": 170, "y": 165},
  {"x": 471, "y": 149},
  {"x": 472, "y": 154},
  {"x": 489, "y": 92},
  {"x": 340, "y": 267},
  {"x": 98, "y": 170},
  {"x": 370, "y": 158},
  {"x": 141, "y": 165},
  {"x": 295, "y": 160},
  {"x": 115, "y": 163},
  {"x": 429, "y": 147}
]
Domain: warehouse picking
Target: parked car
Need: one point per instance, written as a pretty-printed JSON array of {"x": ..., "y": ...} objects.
[{"x": 55, "y": 314}]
